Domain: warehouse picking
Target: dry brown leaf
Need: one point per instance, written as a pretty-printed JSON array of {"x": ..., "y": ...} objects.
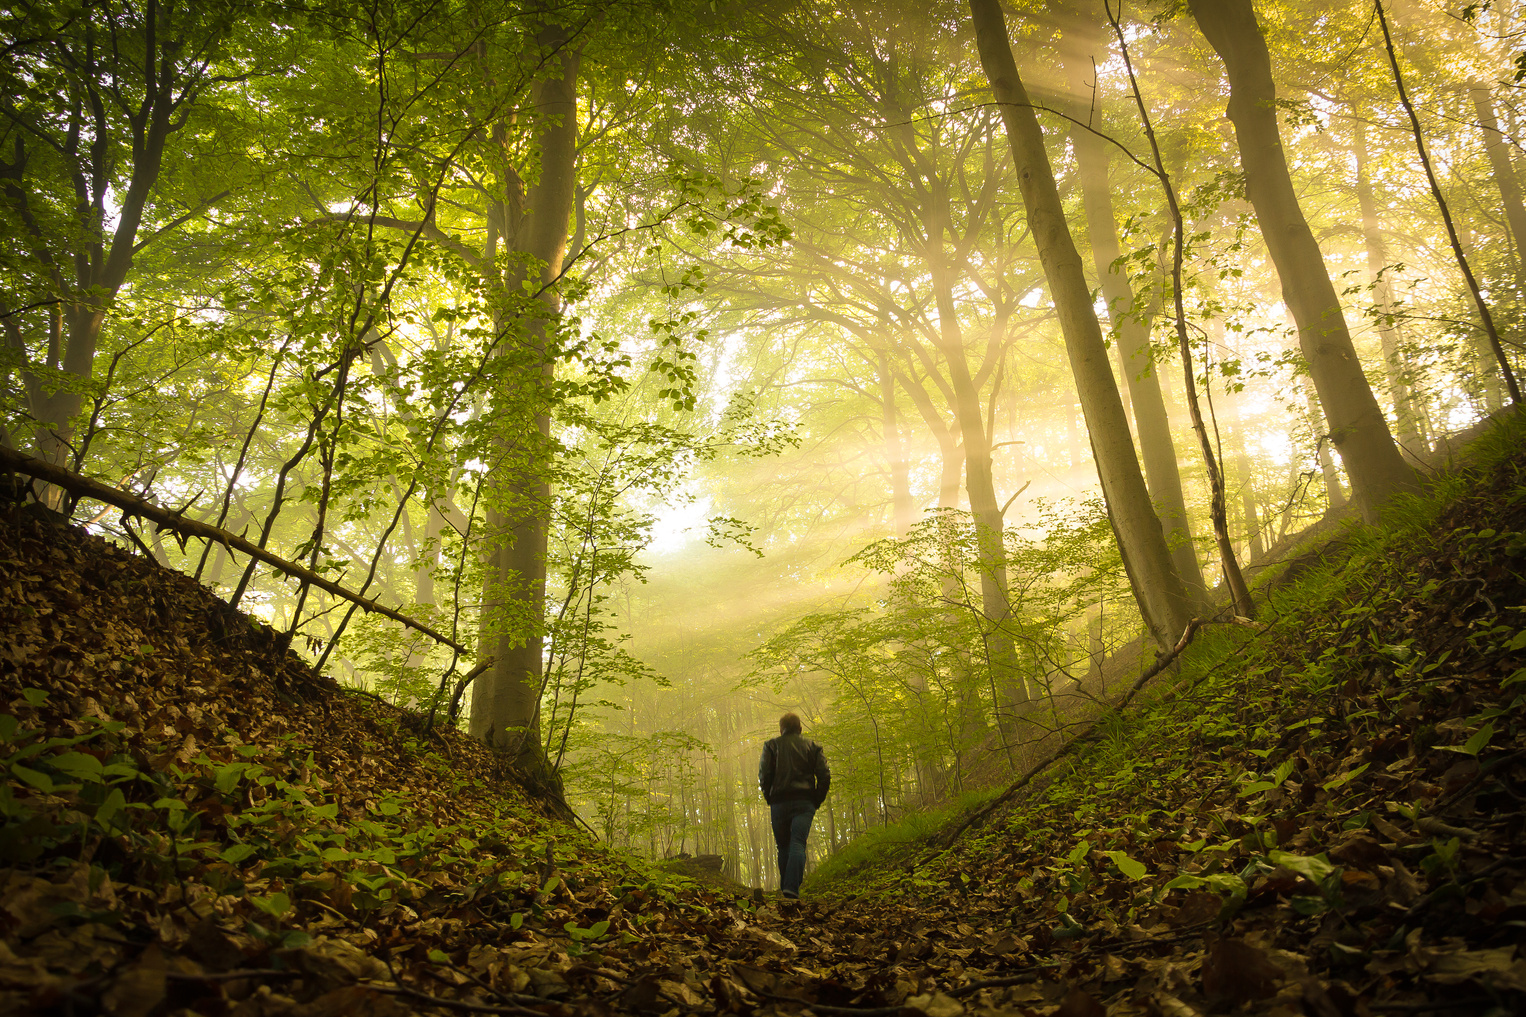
[
  {"x": 1237, "y": 971},
  {"x": 140, "y": 988}
]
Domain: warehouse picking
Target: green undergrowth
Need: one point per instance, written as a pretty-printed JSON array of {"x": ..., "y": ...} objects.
[
  {"x": 268, "y": 829},
  {"x": 883, "y": 845},
  {"x": 1359, "y": 641}
]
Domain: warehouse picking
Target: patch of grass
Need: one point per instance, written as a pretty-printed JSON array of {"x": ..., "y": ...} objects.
[{"x": 880, "y": 846}]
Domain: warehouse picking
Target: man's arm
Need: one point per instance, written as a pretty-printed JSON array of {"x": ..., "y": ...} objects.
[
  {"x": 766, "y": 769},
  {"x": 823, "y": 776}
]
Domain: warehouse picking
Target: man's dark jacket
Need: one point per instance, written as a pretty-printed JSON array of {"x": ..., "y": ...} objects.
[{"x": 793, "y": 768}]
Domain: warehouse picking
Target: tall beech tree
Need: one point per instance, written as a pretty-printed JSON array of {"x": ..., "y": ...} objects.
[
  {"x": 1082, "y": 49},
  {"x": 1358, "y": 428},
  {"x": 1158, "y": 589},
  {"x": 534, "y": 222}
]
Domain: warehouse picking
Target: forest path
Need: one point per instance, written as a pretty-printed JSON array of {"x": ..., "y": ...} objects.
[{"x": 1323, "y": 819}]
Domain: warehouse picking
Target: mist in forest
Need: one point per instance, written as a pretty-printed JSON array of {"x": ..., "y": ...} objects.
[{"x": 923, "y": 369}]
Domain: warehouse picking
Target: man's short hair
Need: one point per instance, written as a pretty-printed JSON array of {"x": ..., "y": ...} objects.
[{"x": 789, "y": 724}]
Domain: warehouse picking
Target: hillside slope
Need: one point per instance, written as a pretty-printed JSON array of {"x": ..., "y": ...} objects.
[
  {"x": 184, "y": 800},
  {"x": 1324, "y": 818}
]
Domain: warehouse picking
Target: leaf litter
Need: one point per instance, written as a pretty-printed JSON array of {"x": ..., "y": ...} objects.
[{"x": 1324, "y": 819}]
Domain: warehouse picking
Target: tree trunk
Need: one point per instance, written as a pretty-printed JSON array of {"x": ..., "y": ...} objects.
[
  {"x": 903, "y": 511},
  {"x": 1504, "y": 176},
  {"x": 1162, "y": 598},
  {"x": 1333, "y": 490},
  {"x": 1239, "y": 449},
  {"x": 1382, "y": 295},
  {"x": 1131, "y": 331},
  {"x": 1357, "y": 426},
  {"x": 506, "y": 699},
  {"x": 979, "y": 485}
]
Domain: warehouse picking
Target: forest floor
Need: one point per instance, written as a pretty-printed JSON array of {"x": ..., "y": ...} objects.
[{"x": 1321, "y": 817}]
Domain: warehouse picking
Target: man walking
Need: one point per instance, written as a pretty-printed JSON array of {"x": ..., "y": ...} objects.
[{"x": 794, "y": 778}]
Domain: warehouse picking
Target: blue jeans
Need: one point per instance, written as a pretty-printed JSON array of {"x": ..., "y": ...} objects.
[{"x": 792, "y": 825}]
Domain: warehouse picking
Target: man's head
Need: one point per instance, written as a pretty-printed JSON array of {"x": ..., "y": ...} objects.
[{"x": 789, "y": 724}]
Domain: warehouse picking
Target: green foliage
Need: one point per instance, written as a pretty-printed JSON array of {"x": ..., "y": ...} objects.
[{"x": 872, "y": 850}]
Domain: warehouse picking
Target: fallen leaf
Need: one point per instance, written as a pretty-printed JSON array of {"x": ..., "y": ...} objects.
[
  {"x": 936, "y": 1004},
  {"x": 1237, "y": 971},
  {"x": 138, "y": 989}
]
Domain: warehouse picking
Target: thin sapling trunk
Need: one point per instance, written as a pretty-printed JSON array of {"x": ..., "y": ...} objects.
[
  {"x": 1233, "y": 578},
  {"x": 1446, "y": 213}
]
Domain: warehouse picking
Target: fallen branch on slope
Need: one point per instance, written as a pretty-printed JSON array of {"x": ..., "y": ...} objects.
[
  {"x": 165, "y": 519},
  {"x": 1161, "y": 663}
]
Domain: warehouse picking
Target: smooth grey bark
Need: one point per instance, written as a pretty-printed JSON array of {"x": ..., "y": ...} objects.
[
  {"x": 506, "y": 699},
  {"x": 1131, "y": 331},
  {"x": 1504, "y": 174},
  {"x": 1358, "y": 428},
  {"x": 1405, "y": 418},
  {"x": 1158, "y": 590}
]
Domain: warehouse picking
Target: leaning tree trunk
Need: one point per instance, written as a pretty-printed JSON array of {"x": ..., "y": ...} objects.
[
  {"x": 1132, "y": 333},
  {"x": 1382, "y": 294},
  {"x": 1357, "y": 426},
  {"x": 506, "y": 699},
  {"x": 1162, "y": 598}
]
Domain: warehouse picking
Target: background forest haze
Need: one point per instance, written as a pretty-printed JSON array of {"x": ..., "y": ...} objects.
[{"x": 659, "y": 367}]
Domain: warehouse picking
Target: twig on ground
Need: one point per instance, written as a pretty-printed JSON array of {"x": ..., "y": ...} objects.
[
  {"x": 264, "y": 974},
  {"x": 452, "y": 1004}
]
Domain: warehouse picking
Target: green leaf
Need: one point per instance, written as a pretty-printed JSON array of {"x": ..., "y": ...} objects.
[
  {"x": 226, "y": 778},
  {"x": 40, "y": 781},
  {"x": 439, "y": 956},
  {"x": 114, "y": 803},
  {"x": 1345, "y": 778},
  {"x": 78, "y": 765},
  {"x": 1312, "y": 867},
  {"x": 1129, "y": 867},
  {"x": 34, "y": 697},
  {"x": 1473, "y": 746},
  {"x": 237, "y": 853},
  {"x": 388, "y": 807},
  {"x": 8, "y": 727},
  {"x": 276, "y": 905},
  {"x": 516, "y": 920},
  {"x": 1079, "y": 852},
  {"x": 295, "y": 938}
]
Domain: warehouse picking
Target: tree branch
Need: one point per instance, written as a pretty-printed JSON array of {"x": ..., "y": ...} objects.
[{"x": 84, "y": 487}]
